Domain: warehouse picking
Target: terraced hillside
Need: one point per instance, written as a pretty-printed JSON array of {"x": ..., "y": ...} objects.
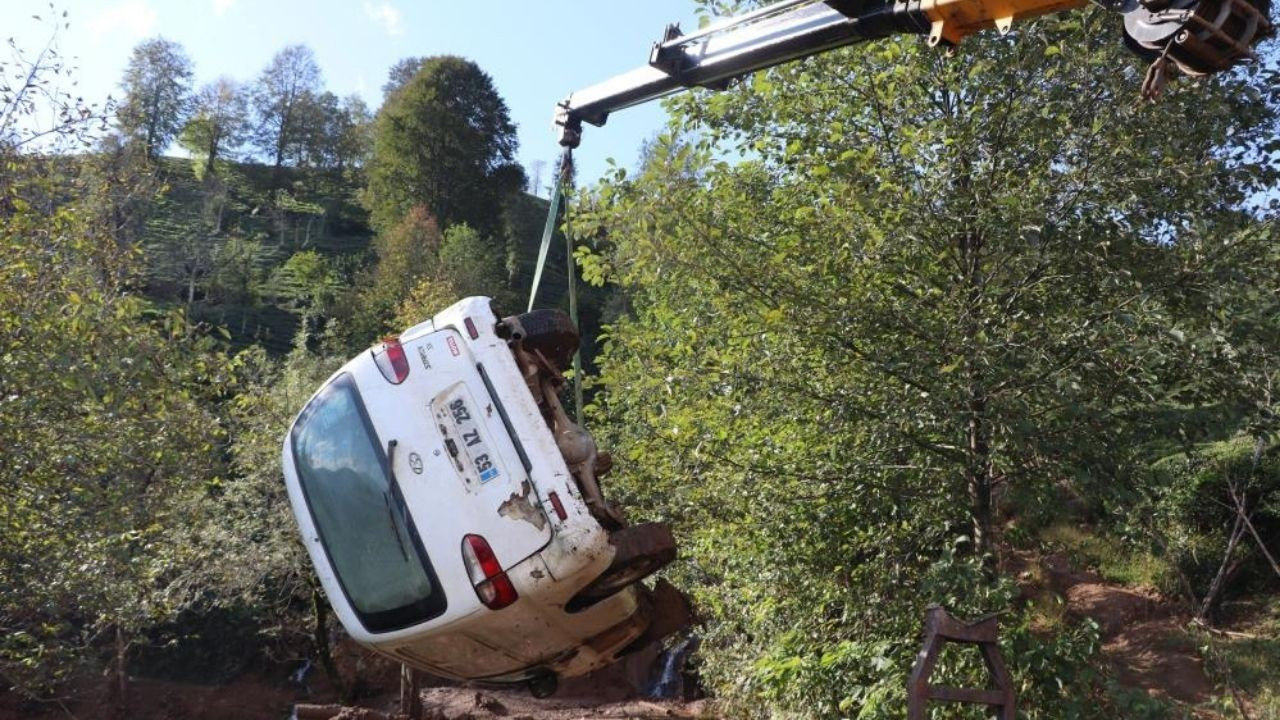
[
  {"x": 237, "y": 254},
  {"x": 221, "y": 245}
]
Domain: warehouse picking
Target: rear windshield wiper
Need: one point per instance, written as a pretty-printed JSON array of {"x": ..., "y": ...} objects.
[{"x": 386, "y": 498}]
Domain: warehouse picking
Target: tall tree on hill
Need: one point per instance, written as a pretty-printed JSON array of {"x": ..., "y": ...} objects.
[
  {"x": 352, "y": 133},
  {"x": 157, "y": 94},
  {"x": 311, "y": 146},
  {"x": 218, "y": 122},
  {"x": 333, "y": 134},
  {"x": 288, "y": 83},
  {"x": 444, "y": 141}
]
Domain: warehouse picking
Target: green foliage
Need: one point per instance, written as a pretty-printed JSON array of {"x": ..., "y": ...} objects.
[
  {"x": 286, "y": 85},
  {"x": 922, "y": 285},
  {"x": 865, "y": 307},
  {"x": 1111, "y": 558},
  {"x": 444, "y": 141},
  {"x": 401, "y": 73},
  {"x": 465, "y": 264},
  {"x": 406, "y": 255},
  {"x": 1247, "y": 662},
  {"x": 307, "y": 282},
  {"x": 472, "y": 266},
  {"x": 157, "y": 95},
  {"x": 106, "y": 423},
  {"x": 218, "y": 124},
  {"x": 1197, "y": 484},
  {"x": 1193, "y": 497},
  {"x": 217, "y": 244},
  {"x": 247, "y": 556}
]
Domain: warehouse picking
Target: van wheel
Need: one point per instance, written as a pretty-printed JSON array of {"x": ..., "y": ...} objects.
[
  {"x": 551, "y": 333},
  {"x": 544, "y": 685},
  {"x": 641, "y": 551}
]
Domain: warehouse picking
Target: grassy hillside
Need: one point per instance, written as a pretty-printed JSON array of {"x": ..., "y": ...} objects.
[{"x": 216, "y": 243}]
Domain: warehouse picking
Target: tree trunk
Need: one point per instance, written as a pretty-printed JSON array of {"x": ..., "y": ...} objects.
[
  {"x": 978, "y": 466},
  {"x": 978, "y": 474},
  {"x": 191, "y": 288},
  {"x": 1215, "y": 587},
  {"x": 152, "y": 131},
  {"x": 410, "y": 693},
  {"x": 286, "y": 113},
  {"x": 120, "y": 681},
  {"x": 320, "y": 635},
  {"x": 213, "y": 151}
]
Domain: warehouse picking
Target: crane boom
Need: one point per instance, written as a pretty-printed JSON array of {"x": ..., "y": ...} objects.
[{"x": 1199, "y": 36}]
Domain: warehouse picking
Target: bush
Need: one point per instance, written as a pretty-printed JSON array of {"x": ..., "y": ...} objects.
[{"x": 1195, "y": 509}]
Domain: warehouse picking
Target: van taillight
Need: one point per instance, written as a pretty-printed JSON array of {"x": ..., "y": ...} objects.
[
  {"x": 493, "y": 587},
  {"x": 391, "y": 361},
  {"x": 557, "y": 505}
]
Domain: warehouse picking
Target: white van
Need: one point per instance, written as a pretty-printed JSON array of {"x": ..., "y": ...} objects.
[{"x": 452, "y": 513}]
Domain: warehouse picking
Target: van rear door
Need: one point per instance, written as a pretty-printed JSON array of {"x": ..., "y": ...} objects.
[
  {"x": 455, "y": 455},
  {"x": 359, "y": 514}
]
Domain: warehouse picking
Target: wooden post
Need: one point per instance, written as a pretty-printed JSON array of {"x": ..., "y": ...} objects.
[
  {"x": 410, "y": 693},
  {"x": 940, "y": 627}
]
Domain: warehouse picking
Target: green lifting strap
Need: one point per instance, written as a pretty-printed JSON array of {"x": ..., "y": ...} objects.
[
  {"x": 549, "y": 228},
  {"x": 566, "y": 165}
]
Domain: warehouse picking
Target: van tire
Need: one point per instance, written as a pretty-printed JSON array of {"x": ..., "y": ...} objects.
[
  {"x": 543, "y": 685},
  {"x": 551, "y": 333},
  {"x": 641, "y": 550}
]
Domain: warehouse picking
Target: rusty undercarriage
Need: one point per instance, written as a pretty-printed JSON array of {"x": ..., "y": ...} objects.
[{"x": 544, "y": 342}]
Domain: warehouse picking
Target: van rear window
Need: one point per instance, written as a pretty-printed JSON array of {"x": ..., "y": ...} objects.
[{"x": 367, "y": 533}]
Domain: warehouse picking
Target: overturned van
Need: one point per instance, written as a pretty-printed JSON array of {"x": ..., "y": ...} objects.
[{"x": 452, "y": 509}]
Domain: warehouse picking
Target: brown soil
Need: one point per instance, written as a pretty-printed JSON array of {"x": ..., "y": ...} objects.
[
  {"x": 464, "y": 704},
  {"x": 1142, "y": 632},
  {"x": 249, "y": 697},
  {"x": 1142, "y": 639},
  {"x": 613, "y": 692}
]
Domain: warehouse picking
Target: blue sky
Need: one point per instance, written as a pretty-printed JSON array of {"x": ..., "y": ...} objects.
[{"x": 537, "y": 52}]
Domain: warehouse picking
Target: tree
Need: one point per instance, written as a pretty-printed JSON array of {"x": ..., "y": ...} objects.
[
  {"x": 30, "y": 94},
  {"x": 471, "y": 266},
  {"x": 105, "y": 423},
  {"x": 245, "y": 554},
  {"x": 927, "y": 291},
  {"x": 306, "y": 282},
  {"x": 157, "y": 94},
  {"x": 400, "y": 74},
  {"x": 352, "y": 134},
  {"x": 445, "y": 141},
  {"x": 288, "y": 83},
  {"x": 317, "y": 121},
  {"x": 407, "y": 254},
  {"x": 334, "y": 133},
  {"x": 218, "y": 124}
]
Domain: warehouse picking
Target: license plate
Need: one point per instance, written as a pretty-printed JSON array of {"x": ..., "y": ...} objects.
[{"x": 467, "y": 443}]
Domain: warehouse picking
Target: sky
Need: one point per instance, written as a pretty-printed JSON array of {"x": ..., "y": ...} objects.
[{"x": 537, "y": 52}]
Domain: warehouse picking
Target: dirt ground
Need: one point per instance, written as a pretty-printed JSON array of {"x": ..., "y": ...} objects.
[
  {"x": 460, "y": 703},
  {"x": 614, "y": 692},
  {"x": 1142, "y": 633}
]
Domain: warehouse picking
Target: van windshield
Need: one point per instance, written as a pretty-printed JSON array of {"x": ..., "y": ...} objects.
[{"x": 359, "y": 513}]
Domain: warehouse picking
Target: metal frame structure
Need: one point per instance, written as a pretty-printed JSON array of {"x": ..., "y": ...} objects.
[
  {"x": 941, "y": 628},
  {"x": 1199, "y": 36}
]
